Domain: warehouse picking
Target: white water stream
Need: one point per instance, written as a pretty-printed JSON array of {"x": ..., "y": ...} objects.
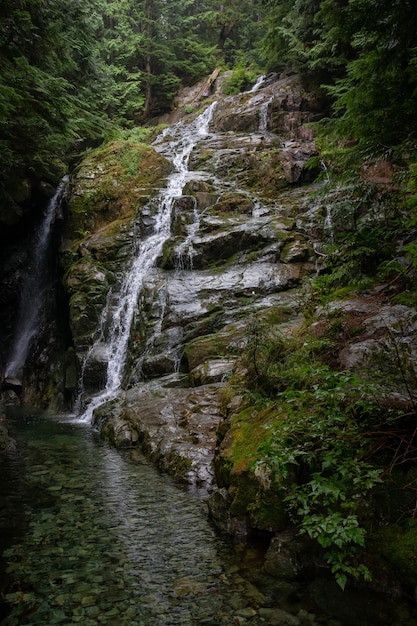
[
  {"x": 264, "y": 115},
  {"x": 258, "y": 84},
  {"x": 114, "y": 343},
  {"x": 33, "y": 290}
]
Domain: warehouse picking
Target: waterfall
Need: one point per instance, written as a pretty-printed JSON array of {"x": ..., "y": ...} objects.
[
  {"x": 185, "y": 251},
  {"x": 182, "y": 138},
  {"x": 328, "y": 223},
  {"x": 264, "y": 115},
  {"x": 258, "y": 84},
  {"x": 33, "y": 289},
  {"x": 324, "y": 169}
]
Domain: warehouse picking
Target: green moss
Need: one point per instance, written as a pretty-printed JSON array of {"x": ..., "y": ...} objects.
[
  {"x": 202, "y": 346},
  {"x": 408, "y": 298},
  {"x": 255, "y": 498},
  {"x": 276, "y": 315},
  {"x": 177, "y": 465},
  {"x": 397, "y": 544},
  {"x": 167, "y": 261},
  {"x": 247, "y": 432},
  {"x": 110, "y": 183}
]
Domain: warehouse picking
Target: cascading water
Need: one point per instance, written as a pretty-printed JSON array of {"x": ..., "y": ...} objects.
[
  {"x": 185, "y": 251},
  {"x": 113, "y": 343},
  {"x": 264, "y": 115},
  {"x": 33, "y": 289},
  {"x": 258, "y": 84}
]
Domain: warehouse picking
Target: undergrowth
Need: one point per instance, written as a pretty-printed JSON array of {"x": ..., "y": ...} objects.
[
  {"x": 335, "y": 441},
  {"x": 322, "y": 442}
]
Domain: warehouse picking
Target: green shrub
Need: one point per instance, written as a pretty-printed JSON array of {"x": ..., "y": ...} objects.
[{"x": 240, "y": 79}]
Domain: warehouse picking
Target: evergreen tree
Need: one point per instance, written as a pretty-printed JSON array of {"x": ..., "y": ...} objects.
[
  {"x": 150, "y": 47},
  {"x": 47, "y": 86},
  {"x": 234, "y": 28},
  {"x": 369, "y": 64},
  {"x": 70, "y": 66},
  {"x": 377, "y": 97}
]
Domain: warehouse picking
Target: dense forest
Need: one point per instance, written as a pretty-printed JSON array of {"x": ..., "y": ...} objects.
[{"x": 74, "y": 70}]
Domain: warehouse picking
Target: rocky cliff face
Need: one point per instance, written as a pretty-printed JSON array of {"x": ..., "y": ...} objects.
[
  {"x": 235, "y": 250},
  {"x": 245, "y": 230}
]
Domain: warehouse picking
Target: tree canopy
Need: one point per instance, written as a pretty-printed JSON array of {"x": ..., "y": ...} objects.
[
  {"x": 70, "y": 69},
  {"x": 364, "y": 51},
  {"x": 47, "y": 84}
]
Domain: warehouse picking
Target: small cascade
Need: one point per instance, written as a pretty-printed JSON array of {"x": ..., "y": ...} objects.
[
  {"x": 323, "y": 167},
  {"x": 258, "y": 84},
  {"x": 185, "y": 252},
  {"x": 328, "y": 223},
  {"x": 176, "y": 144},
  {"x": 33, "y": 290},
  {"x": 264, "y": 115},
  {"x": 156, "y": 330}
]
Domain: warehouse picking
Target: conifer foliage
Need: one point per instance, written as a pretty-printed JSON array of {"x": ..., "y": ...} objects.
[
  {"x": 47, "y": 83},
  {"x": 72, "y": 69},
  {"x": 364, "y": 51}
]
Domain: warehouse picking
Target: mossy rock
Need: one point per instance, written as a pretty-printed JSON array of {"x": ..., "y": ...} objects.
[
  {"x": 199, "y": 350},
  {"x": 397, "y": 545},
  {"x": 262, "y": 508},
  {"x": 296, "y": 250},
  {"x": 175, "y": 464},
  {"x": 111, "y": 183},
  {"x": 210, "y": 346},
  {"x": 204, "y": 193},
  {"x": 111, "y": 244},
  {"x": 233, "y": 202},
  {"x": 114, "y": 427},
  {"x": 87, "y": 284},
  {"x": 255, "y": 497}
]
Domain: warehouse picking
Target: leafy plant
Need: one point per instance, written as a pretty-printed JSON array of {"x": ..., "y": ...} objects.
[
  {"x": 318, "y": 442},
  {"x": 240, "y": 79}
]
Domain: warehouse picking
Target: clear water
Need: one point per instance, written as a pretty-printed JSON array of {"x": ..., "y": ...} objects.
[
  {"x": 91, "y": 535},
  {"x": 94, "y": 536}
]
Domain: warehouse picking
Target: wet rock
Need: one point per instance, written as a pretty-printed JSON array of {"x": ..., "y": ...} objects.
[
  {"x": 219, "y": 502},
  {"x": 282, "y": 557},
  {"x": 202, "y": 350},
  {"x": 204, "y": 193},
  {"x": 95, "y": 369},
  {"x": 158, "y": 365},
  {"x": 87, "y": 284},
  {"x": 388, "y": 336},
  {"x": 234, "y": 202},
  {"x": 114, "y": 425},
  {"x": 211, "y": 371},
  {"x": 182, "y": 214},
  {"x": 176, "y": 427},
  {"x": 278, "y": 617},
  {"x": 295, "y": 251}
]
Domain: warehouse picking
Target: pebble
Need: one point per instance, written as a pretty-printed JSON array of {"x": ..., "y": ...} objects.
[
  {"x": 247, "y": 612},
  {"x": 278, "y": 617}
]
